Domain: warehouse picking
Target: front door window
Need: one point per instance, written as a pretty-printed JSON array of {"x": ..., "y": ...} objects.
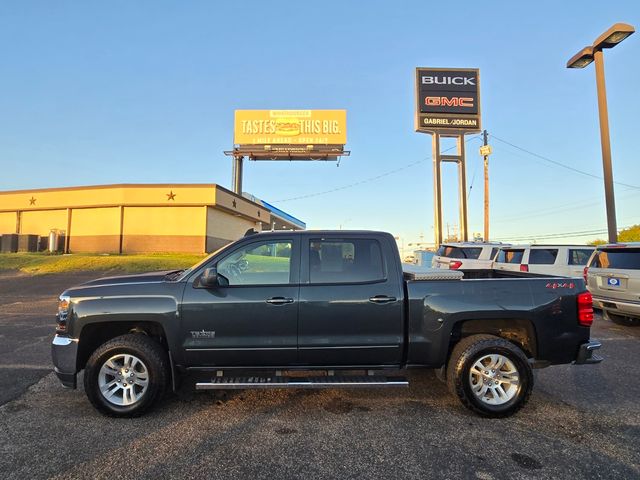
[{"x": 262, "y": 263}]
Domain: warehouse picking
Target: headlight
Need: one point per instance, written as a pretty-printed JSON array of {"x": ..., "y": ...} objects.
[{"x": 63, "y": 312}]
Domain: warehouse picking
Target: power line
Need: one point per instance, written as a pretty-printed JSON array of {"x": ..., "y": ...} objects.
[
  {"x": 559, "y": 164},
  {"x": 578, "y": 205},
  {"x": 550, "y": 236},
  {"x": 473, "y": 179},
  {"x": 367, "y": 180}
]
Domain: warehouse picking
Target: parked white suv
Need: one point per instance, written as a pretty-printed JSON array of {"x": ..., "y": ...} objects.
[
  {"x": 553, "y": 260},
  {"x": 465, "y": 255},
  {"x": 613, "y": 278}
]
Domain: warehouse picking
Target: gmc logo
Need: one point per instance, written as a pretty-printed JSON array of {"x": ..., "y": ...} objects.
[{"x": 449, "y": 102}]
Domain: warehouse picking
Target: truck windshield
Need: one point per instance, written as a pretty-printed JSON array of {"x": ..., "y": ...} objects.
[{"x": 195, "y": 267}]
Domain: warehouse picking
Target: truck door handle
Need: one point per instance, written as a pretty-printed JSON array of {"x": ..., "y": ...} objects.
[
  {"x": 279, "y": 300},
  {"x": 382, "y": 299}
]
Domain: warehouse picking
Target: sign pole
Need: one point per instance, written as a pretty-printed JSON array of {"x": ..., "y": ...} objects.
[
  {"x": 448, "y": 105},
  {"x": 237, "y": 174},
  {"x": 437, "y": 189},
  {"x": 462, "y": 188}
]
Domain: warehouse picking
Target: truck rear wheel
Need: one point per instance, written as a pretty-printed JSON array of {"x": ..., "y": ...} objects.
[
  {"x": 490, "y": 375},
  {"x": 126, "y": 376}
]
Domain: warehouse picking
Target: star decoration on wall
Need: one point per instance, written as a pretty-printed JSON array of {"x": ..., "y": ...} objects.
[
  {"x": 32, "y": 201},
  {"x": 171, "y": 196},
  {"x": 234, "y": 203}
]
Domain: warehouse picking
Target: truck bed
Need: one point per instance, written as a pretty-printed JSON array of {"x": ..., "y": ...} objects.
[{"x": 543, "y": 307}]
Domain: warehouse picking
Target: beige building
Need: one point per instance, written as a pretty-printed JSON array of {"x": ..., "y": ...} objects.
[{"x": 139, "y": 218}]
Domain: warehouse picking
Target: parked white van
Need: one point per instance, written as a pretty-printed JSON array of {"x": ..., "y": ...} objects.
[
  {"x": 554, "y": 260},
  {"x": 466, "y": 255}
]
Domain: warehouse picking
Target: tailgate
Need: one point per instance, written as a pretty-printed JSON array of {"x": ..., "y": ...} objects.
[{"x": 616, "y": 284}]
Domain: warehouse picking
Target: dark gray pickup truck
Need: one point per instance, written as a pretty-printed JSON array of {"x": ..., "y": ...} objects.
[{"x": 316, "y": 309}]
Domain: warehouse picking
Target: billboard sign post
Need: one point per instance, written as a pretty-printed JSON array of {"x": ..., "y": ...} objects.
[{"x": 448, "y": 105}]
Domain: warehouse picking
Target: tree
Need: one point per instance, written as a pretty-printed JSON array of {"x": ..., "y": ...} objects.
[{"x": 631, "y": 234}]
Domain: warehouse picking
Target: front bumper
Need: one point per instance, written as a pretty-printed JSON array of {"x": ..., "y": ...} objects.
[
  {"x": 587, "y": 353},
  {"x": 64, "y": 351}
]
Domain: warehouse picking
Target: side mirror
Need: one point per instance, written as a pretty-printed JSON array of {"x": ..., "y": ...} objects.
[{"x": 209, "y": 278}]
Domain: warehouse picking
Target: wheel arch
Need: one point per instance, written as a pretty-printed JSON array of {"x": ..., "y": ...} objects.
[
  {"x": 519, "y": 331},
  {"x": 95, "y": 334}
]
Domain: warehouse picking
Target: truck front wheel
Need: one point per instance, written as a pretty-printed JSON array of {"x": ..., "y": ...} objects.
[
  {"x": 125, "y": 376},
  {"x": 490, "y": 375}
]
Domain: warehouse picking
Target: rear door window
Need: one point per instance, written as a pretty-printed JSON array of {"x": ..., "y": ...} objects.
[
  {"x": 510, "y": 256},
  {"x": 627, "y": 259},
  {"x": 543, "y": 256},
  {"x": 459, "y": 252},
  {"x": 345, "y": 261},
  {"x": 579, "y": 256}
]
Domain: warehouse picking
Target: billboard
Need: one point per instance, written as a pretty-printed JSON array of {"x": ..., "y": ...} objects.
[
  {"x": 448, "y": 100},
  {"x": 290, "y": 127}
]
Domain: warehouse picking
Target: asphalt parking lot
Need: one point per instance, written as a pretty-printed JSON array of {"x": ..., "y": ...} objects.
[{"x": 581, "y": 422}]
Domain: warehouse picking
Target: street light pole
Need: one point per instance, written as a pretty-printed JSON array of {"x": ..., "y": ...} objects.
[
  {"x": 609, "y": 39},
  {"x": 610, "y": 200}
]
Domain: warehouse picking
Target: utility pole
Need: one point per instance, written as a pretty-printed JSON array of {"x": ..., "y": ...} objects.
[
  {"x": 485, "y": 151},
  {"x": 486, "y": 189}
]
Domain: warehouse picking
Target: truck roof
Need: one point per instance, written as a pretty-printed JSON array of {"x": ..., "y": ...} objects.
[{"x": 319, "y": 232}]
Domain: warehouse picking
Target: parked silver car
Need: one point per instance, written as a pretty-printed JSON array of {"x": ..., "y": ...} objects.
[{"x": 613, "y": 278}]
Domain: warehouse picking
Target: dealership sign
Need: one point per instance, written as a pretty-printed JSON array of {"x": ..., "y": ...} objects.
[
  {"x": 290, "y": 127},
  {"x": 447, "y": 100}
]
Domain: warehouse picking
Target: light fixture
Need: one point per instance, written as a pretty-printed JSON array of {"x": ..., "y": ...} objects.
[
  {"x": 581, "y": 59},
  {"x": 613, "y": 36}
]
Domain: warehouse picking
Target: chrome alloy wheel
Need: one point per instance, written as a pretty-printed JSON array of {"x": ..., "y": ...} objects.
[
  {"x": 494, "y": 379},
  {"x": 123, "y": 379}
]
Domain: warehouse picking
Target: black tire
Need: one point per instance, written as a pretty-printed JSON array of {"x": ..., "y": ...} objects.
[
  {"x": 621, "y": 319},
  {"x": 153, "y": 357},
  {"x": 463, "y": 357}
]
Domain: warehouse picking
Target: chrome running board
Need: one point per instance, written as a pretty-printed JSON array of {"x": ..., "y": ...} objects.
[{"x": 368, "y": 381}]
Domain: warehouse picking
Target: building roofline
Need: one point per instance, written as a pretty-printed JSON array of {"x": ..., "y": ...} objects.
[{"x": 116, "y": 185}]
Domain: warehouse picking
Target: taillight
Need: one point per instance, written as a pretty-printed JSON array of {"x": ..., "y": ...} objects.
[
  {"x": 585, "y": 309},
  {"x": 524, "y": 268},
  {"x": 584, "y": 274},
  {"x": 455, "y": 264}
]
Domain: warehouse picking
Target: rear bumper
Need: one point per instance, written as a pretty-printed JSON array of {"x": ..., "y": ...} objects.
[
  {"x": 622, "y": 307},
  {"x": 587, "y": 354},
  {"x": 64, "y": 351}
]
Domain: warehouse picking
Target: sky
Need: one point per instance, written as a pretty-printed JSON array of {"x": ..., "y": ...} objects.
[{"x": 144, "y": 92}]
